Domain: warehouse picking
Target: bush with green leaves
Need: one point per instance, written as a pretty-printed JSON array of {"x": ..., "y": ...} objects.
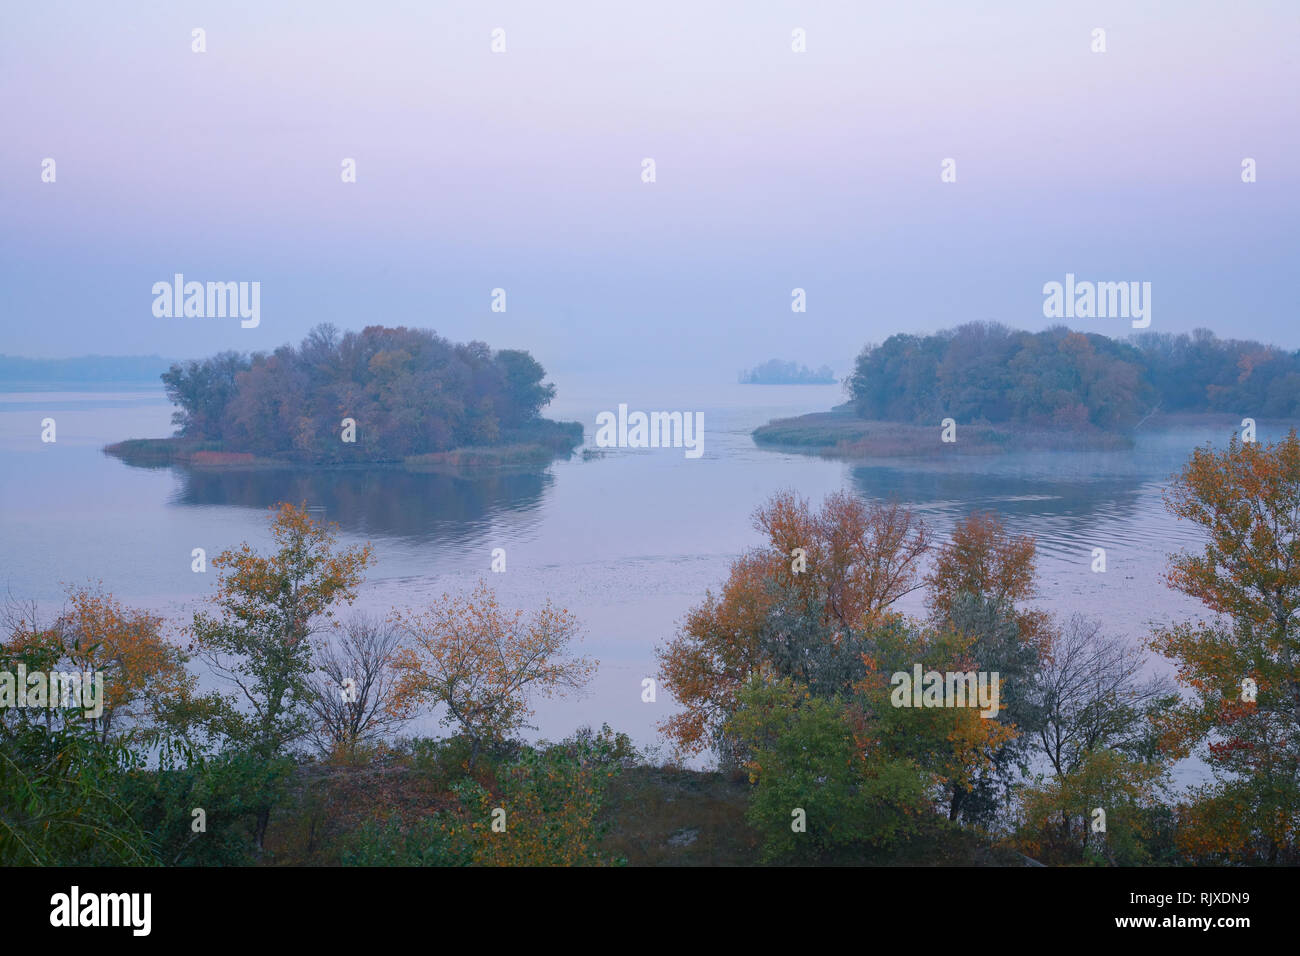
[
  {"x": 541, "y": 806},
  {"x": 807, "y": 757},
  {"x": 231, "y": 788},
  {"x": 61, "y": 802}
]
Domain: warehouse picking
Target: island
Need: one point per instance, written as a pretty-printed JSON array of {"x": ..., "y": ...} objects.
[
  {"x": 777, "y": 372},
  {"x": 984, "y": 388},
  {"x": 381, "y": 396}
]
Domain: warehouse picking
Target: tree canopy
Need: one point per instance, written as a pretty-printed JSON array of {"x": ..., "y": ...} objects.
[
  {"x": 409, "y": 391},
  {"x": 988, "y": 372}
]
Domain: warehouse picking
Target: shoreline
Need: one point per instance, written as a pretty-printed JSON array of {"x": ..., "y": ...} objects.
[
  {"x": 841, "y": 435},
  {"x": 528, "y": 448}
]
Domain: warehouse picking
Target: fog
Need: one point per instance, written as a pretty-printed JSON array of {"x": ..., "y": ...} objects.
[{"x": 522, "y": 171}]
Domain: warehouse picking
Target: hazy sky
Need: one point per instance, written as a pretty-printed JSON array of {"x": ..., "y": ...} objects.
[{"x": 522, "y": 170}]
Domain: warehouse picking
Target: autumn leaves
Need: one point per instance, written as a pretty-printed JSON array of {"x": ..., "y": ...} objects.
[{"x": 482, "y": 663}]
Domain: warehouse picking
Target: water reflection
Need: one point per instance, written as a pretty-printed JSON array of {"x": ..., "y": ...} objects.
[{"x": 389, "y": 502}]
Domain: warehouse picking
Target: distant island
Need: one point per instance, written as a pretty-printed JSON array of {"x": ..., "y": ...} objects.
[
  {"x": 1009, "y": 390},
  {"x": 777, "y": 372},
  {"x": 381, "y": 395},
  {"x": 18, "y": 372}
]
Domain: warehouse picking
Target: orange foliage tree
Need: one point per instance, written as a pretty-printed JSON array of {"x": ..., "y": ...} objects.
[
  {"x": 846, "y": 562},
  {"x": 143, "y": 673},
  {"x": 1242, "y": 665},
  {"x": 484, "y": 663},
  {"x": 981, "y": 558}
]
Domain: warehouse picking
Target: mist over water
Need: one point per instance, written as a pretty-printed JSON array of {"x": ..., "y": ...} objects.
[{"x": 629, "y": 540}]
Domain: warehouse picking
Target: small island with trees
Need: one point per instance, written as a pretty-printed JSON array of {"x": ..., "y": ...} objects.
[
  {"x": 379, "y": 396},
  {"x": 1054, "y": 390},
  {"x": 777, "y": 372}
]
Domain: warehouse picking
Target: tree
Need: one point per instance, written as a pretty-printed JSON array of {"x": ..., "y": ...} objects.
[
  {"x": 257, "y": 639},
  {"x": 60, "y": 803},
  {"x": 202, "y": 391},
  {"x": 1095, "y": 696},
  {"x": 484, "y": 663},
  {"x": 995, "y": 643},
  {"x": 958, "y": 747},
  {"x": 983, "y": 559},
  {"x": 144, "y": 673},
  {"x": 1059, "y": 820},
  {"x": 525, "y": 393},
  {"x": 712, "y": 656},
  {"x": 1246, "y": 499},
  {"x": 809, "y": 755},
  {"x": 976, "y": 586},
  {"x": 352, "y": 694},
  {"x": 820, "y": 578}
]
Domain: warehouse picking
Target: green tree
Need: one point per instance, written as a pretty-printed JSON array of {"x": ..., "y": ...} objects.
[
  {"x": 812, "y": 769},
  {"x": 258, "y": 637},
  {"x": 525, "y": 392}
]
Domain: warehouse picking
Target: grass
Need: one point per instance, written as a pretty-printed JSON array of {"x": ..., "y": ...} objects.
[
  {"x": 655, "y": 816},
  {"x": 839, "y": 434},
  {"x": 662, "y": 816}
]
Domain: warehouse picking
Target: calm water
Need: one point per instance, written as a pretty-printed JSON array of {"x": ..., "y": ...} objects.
[{"x": 628, "y": 542}]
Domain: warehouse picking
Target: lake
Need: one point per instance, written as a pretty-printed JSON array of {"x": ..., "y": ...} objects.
[{"x": 628, "y": 541}]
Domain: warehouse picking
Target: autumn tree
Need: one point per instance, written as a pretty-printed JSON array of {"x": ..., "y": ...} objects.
[
  {"x": 992, "y": 636},
  {"x": 859, "y": 557},
  {"x": 963, "y": 751},
  {"x": 712, "y": 656},
  {"x": 144, "y": 673},
  {"x": 1241, "y": 665},
  {"x": 868, "y": 773},
  {"x": 485, "y": 664},
  {"x": 60, "y": 773},
  {"x": 982, "y": 558},
  {"x": 257, "y": 637},
  {"x": 819, "y": 579},
  {"x": 977, "y": 585}
]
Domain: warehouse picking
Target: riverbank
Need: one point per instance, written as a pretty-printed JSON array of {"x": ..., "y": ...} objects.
[
  {"x": 652, "y": 816},
  {"x": 840, "y": 434}
]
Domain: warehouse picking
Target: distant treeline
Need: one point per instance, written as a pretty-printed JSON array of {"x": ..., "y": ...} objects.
[
  {"x": 987, "y": 372},
  {"x": 85, "y": 368},
  {"x": 409, "y": 391},
  {"x": 776, "y": 372}
]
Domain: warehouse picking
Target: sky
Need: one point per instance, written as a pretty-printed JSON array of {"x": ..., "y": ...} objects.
[{"x": 522, "y": 170}]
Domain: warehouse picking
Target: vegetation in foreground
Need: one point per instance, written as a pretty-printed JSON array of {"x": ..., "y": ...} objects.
[{"x": 786, "y": 675}]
